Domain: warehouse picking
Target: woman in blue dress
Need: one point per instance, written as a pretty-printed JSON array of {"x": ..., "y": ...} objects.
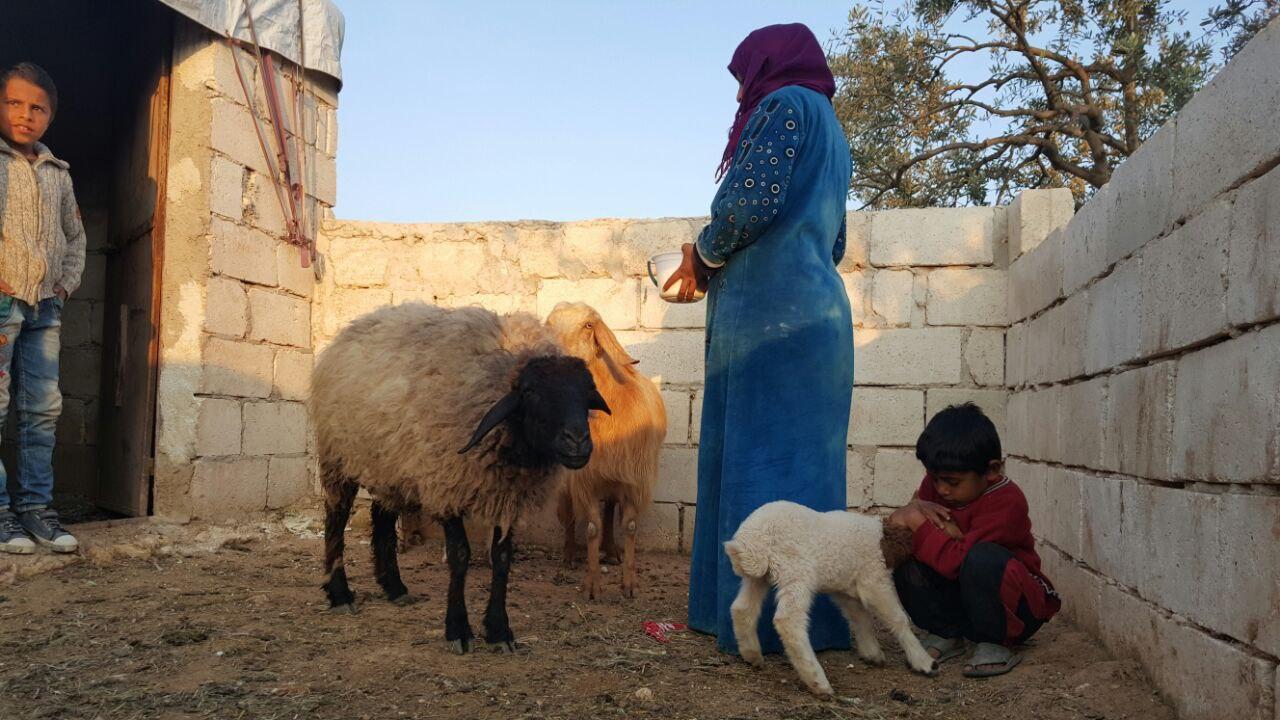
[{"x": 779, "y": 356}]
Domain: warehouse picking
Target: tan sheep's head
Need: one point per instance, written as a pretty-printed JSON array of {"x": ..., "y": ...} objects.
[{"x": 584, "y": 334}]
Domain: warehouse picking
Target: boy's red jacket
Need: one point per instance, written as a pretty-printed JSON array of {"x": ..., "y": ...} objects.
[{"x": 999, "y": 516}]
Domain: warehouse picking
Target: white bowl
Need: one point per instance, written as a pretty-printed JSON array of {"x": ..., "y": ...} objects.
[{"x": 661, "y": 267}]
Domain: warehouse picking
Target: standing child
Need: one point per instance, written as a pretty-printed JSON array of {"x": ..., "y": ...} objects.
[
  {"x": 976, "y": 575},
  {"x": 42, "y": 247}
]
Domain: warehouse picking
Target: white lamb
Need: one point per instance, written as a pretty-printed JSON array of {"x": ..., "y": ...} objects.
[{"x": 801, "y": 553}]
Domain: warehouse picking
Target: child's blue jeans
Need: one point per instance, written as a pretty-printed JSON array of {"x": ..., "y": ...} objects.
[{"x": 30, "y": 338}]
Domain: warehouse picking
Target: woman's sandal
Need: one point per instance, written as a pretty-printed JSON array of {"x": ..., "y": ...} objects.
[
  {"x": 946, "y": 648},
  {"x": 989, "y": 660}
]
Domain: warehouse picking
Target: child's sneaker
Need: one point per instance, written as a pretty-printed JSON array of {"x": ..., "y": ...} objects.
[
  {"x": 12, "y": 538},
  {"x": 43, "y": 525}
]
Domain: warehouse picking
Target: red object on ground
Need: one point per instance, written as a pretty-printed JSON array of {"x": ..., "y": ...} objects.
[{"x": 658, "y": 630}]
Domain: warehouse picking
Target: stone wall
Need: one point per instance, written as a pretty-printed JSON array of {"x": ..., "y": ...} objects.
[
  {"x": 927, "y": 289},
  {"x": 1144, "y": 359},
  {"x": 236, "y": 305}
]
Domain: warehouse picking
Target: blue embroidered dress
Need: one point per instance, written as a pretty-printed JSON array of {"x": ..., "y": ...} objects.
[{"x": 779, "y": 356}]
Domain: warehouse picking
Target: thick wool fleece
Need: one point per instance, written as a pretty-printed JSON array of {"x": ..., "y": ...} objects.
[{"x": 401, "y": 390}]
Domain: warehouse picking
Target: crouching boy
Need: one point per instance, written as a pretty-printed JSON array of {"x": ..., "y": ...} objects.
[{"x": 975, "y": 574}]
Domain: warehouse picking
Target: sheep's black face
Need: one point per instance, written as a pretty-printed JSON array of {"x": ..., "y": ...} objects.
[{"x": 546, "y": 414}]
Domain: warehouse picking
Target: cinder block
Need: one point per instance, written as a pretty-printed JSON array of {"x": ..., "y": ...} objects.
[
  {"x": 218, "y": 427},
  {"x": 859, "y": 475},
  {"x": 1226, "y": 411},
  {"x": 450, "y": 268},
  {"x": 288, "y": 481},
  {"x": 228, "y": 488},
  {"x": 695, "y": 422},
  {"x": 226, "y": 188},
  {"x": 1178, "y": 536},
  {"x": 268, "y": 216},
  {"x": 968, "y": 296},
  {"x": 341, "y": 306},
  {"x": 293, "y": 374},
  {"x": 1143, "y": 196},
  {"x": 275, "y": 428},
  {"x": 1016, "y": 439},
  {"x": 93, "y": 282},
  {"x": 658, "y": 313},
  {"x": 1062, "y": 492},
  {"x": 501, "y": 304},
  {"x": 323, "y": 172},
  {"x": 883, "y": 416},
  {"x": 1056, "y": 341},
  {"x": 618, "y": 302},
  {"x": 897, "y": 477},
  {"x": 243, "y": 253},
  {"x": 658, "y": 527},
  {"x": 232, "y": 133},
  {"x": 293, "y": 277},
  {"x": 1103, "y": 544},
  {"x": 1080, "y": 587},
  {"x": 1042, "y": 438},
  {"x": 670, "y": 357},
  {"x": 591, "y": 248},
  {"x": 984, "y": 356},
  {"x": 1114, "y": 321},
  {"x": 1215, "y": 149},
  {"x": 908, "y": 356},
  {"x": 70, "y": 428},
  {"x": 935, "y": 236},
  {"x": 1140, "y": 422},
  {"x": 1035, "y": 278},
  {"x": 857, "y": 252},
  {"x": 226, "y": 307},
  {"x": 1034, "y": 214},
  {"x": 992, "y": 402},
  {"x": 280, "y": 319},
  {"x": 81, "y": 372},
  {"x": 1082, "y": 422},
  {"x": 640, "y": 240},
  {"x": 677, "y": 476},
  {"x": 677, "y": 404},
  {"x": 1184, "y": 296},
  {"x": 77, "y": 323},
  {"x": 1084, "y": 240},
  {"x": 1253, "y": 274},
  {"x": 1015, "y": 355},
  {"x": 857, "y": 285},
  {"x": 236, "y": 368},
  {"x": 892, "y": 300},
  {"x": 360, "y": 262},
  {"x": 1244, "y": 576}
]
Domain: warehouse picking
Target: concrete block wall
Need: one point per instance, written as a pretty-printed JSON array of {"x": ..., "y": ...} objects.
[
  {"x": 1144, "y": 420},
  {"x": 236, "y": 343},
  {"x": 927, "y": 289}
]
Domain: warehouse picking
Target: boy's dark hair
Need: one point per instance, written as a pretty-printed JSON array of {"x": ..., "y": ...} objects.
[
  {"x": 37, "y": 76},
  {"x": 959, "y": 439}
]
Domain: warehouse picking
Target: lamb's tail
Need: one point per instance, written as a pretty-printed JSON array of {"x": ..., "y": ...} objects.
[{"x": 747, "y": 558}]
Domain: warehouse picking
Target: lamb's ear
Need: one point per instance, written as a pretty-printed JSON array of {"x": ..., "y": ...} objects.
[
  {"x": 595, "y": 401},
  {"x": 609, "y": 345},
  {"x": 496, "y": 414}
]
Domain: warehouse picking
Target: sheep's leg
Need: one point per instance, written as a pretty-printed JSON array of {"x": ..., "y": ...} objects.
[
  {"x": 608, "y": 544},
  {"x": 339, "y": 496},
  {"x": 593, "y": 586},
  {"x": 746, "y": 618},
  {"x": 497, "y": 630},
  {"x": 629, "y": 528},
  {"x": 864, "y": 635},
  {"x": 882, "y": 599},
  {"x": 385, "y": 566},
  {"x": 792, "y": 621},
  {"x": 564, "y": 511},
  {"x": 457, "y": 630}
]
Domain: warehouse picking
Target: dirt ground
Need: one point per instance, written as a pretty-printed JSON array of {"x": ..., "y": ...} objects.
[{"x": 234, "y": 625}]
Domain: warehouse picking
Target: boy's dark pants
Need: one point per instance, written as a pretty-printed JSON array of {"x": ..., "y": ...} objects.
[{"x": 996, "y": 599}]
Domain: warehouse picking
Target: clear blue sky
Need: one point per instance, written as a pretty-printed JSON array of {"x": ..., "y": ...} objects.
[{"x": 555, "y": 110}]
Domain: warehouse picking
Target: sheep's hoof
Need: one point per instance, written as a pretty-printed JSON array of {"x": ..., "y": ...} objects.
[
  {"x": 405, "y": 599},
  {"x": 343, "y": 609},
  {"x": 877, "y": 658},
  {"x": 461, "y": 646},
  {"x": 821, "y": 690},
  {"x": 754, "y": 659},
  {"x": 506, "y": 647}
]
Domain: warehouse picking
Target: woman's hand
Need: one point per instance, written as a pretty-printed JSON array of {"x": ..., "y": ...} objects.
[{"x": 692, "y": 274}]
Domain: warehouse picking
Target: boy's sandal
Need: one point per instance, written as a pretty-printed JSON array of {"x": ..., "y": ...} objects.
[
  {"x": 989, "y": 660},
  {"x": 946, "y": 648}
]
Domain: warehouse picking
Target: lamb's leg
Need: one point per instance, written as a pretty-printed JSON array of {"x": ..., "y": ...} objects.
[
  {"x": 882, "y": 599},
  {"x": 629, "y": 528},
  {"x": 864, "y": 635},
  {"x": 608, "y": 544},
  {"x": 564, "y": 511},
  {"x": 497, "y": 631},
  {"x": 592, "y": 585},
  {"x": 457, "y": 630},
  {"x": 385, "y": 566},
  {"x": 746, "y": 618},
  {"x": 792, "y": 621},
  {"x": 340, "y": 493}
]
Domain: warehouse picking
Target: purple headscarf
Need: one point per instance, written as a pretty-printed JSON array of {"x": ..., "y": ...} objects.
[{"x": 770, "y": 58}]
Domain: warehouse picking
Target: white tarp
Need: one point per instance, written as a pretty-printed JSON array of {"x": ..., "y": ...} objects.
[{"x": 277, "y": 24}]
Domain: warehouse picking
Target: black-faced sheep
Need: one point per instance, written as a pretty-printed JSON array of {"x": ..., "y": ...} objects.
[
  {"x": 451, "y": 413},
  {"x": 624, "y": 466},
  {"x": 802, "y": 553}
]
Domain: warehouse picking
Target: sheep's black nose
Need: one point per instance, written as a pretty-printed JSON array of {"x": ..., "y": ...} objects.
[{"x": 580, "y": 441}]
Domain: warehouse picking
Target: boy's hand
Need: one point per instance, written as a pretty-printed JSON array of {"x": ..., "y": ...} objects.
[
  {"x": 59, "y": 291},
  {"x": 937, "y": 514},
  {"x": 953, "y": 530},
  {"x": 909, "y": 517}
]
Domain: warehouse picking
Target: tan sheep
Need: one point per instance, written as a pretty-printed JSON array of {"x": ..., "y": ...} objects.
[
  {"x": 448, "y": 413},
  {"x": 624, "y": 467}
]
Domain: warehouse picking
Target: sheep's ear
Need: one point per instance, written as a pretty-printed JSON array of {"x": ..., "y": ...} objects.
[
  {"x": 609, "y": 345},
  {"x": 499, "y": 412},
  {"x": 595, "y": 401}
]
